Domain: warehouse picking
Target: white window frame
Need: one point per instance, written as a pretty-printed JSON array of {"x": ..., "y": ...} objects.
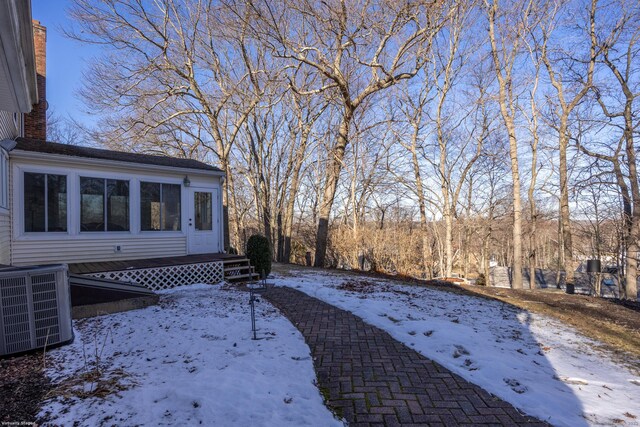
[
  {"x": 74, "y": 171},
  {"x": 104, "y": 177},
  {"x": 46, "y": 204},
  {"x": 162, "y": 183}
]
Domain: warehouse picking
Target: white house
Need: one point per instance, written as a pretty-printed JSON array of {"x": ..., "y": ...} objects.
[
  {"x": 76, "y": 204},
  {"x": 72, "y": 204}
]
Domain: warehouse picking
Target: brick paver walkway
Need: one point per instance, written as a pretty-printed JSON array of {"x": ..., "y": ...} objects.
[{"x": 371, "y": 379}]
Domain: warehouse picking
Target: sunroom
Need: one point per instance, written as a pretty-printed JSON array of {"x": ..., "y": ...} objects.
[{"x": 80, "y": 205}]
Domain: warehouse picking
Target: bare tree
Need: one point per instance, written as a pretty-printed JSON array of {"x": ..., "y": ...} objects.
[
  {"x": 507, "y": 29},
  {"x": 619, "y": 51},
  {"x": 453, "y": 144},
  {"x": 186, "y": 64},
  {"x": 306, "y": 110},
  {"x": 533, "y": 120},
  {"x": 412, "y": 106},
  {"x": 65, "y": 130},
  {"x": 571, "y": 85},
  {"x": 359, "y": 48}
]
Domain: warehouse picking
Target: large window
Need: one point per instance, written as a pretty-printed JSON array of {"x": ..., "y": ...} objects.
[
  {"x": 159, "y": 207},
  {"x": 45, "y": 202},
  {"x": 104, "y": 204}
]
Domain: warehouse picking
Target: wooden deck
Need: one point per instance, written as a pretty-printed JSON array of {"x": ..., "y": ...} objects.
[{"x": 99, "y": 267}]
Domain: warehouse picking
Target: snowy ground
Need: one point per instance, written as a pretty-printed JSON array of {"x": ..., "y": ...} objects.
[
  {"x": 188, "y": 361},
  {"x": 534, "y": 362}
]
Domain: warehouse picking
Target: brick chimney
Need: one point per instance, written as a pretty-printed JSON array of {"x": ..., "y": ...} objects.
[{"x": 35, "y": 123}]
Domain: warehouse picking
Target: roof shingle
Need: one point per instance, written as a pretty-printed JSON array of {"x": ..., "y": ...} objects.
[{"x": 120, "y": 156}]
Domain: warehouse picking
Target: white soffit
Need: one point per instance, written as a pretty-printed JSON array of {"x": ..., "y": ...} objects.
[{"x": 18, "y": 91}]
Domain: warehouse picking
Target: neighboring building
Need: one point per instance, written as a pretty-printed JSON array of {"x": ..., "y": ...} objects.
[{"x": 70, "y": 204}]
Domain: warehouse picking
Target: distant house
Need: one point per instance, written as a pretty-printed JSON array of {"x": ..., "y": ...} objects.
[{"x": 71, "y": 204}]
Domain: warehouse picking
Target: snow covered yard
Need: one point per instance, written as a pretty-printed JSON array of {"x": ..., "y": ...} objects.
[
  {"x": 534, "y": 362},
  {"x": 188, "y": 361}
]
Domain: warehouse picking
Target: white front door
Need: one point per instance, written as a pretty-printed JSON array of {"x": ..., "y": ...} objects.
[{"x": 202, "y": 235}]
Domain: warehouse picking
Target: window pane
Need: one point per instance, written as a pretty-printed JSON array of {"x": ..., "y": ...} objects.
[
  {"x": 170, "y": 207},
  {"x": 57, "y": 202},
  {"x": 204, "y": 220},
  {"x": 117, "y": 205},
  {"x": 92, "y": 204},
  {"x": 34, "y": 202},
  {"x": 149, "y": 206}
]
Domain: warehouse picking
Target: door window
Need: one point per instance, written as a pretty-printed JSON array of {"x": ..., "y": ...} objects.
[{"x": 203, "y": 211}]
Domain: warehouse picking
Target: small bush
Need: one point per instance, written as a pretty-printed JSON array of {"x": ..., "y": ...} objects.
[
  {"x": 259, "y": 254},
  {"x": 481, "y": 280}
]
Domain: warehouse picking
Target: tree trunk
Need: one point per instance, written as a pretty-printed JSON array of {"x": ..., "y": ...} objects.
[
  {"x": 424, "y": 231},
  {"x": 487, "y": 258},
  {"x": 293, "y": 192},
  {"x": 280, "y": 237},
  {"x": 565, "y": 219},
  {"x": 507, "y": 108},
  {"x": 517, "y": 210},
  {"x": 560, "y": 258},
  {"x": 266, "y": 213},
  {"x": 448, "y": 241},
  {"x": 532, "y": 249},
  {"x": 330, "y": 185},
  {"x": 466, "y": 245},
  {"x": 232, "y": 220},
  {"x": 633, "y": 249}
]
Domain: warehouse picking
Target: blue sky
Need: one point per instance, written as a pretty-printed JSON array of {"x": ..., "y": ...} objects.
[{"x": 66, "y": 59}]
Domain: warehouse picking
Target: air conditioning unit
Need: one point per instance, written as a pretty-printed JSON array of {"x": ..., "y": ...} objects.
[{"x": 35, "y": 308}]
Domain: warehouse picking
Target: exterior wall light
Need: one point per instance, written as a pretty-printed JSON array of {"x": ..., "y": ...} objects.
[{"x": 186, "y": 181}]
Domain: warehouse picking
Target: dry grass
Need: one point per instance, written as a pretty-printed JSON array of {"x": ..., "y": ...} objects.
[
  {"x": 92, "y": 383},
  {"x": 23, "y": 385},
  {"x": 96, "y": 378},
  {"x": 362, "y": 286}
]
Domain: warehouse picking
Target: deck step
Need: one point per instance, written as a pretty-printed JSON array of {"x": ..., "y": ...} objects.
[
  {"x": 236, "y": 261},
  {"x": 250, "y": 276},
  {"x": 236, "y": 268},
  {"x": 239, "y": 270}
]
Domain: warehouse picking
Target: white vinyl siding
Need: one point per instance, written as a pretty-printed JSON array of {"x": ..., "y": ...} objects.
[
  {"x": 5, "y": 239},
  {"x": 9, "y": 125},
  {"x": 27, "y": 252},
  {"x": 5, "y": 229}
]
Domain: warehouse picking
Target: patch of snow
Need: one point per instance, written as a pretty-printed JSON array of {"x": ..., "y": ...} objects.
[
  {"x": 188, "y": 361},
  {"x": 545, "y": 368}
]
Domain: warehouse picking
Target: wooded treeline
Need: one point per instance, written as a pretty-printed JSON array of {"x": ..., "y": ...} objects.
[{"x": 429, "y": 137}]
